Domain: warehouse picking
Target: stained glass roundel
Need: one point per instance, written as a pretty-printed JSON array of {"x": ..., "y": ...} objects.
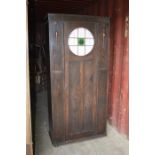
[{"x": 81, "y": 41}]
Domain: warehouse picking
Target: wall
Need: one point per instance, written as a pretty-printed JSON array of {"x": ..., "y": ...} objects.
[{"x": 118, "y": 91}]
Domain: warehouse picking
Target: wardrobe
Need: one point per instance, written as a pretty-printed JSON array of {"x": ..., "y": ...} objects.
[{"x": 77, "y": 49}]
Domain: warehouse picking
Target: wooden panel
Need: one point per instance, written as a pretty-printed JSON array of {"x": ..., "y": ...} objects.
[
  {"x": 102, "y": 101},
  {"x": 75, "y": 100},
  {"x": 57, "y": 106},
  {"x": 104, "y": 41},
  {"x": 42, "y": 7},
  {"x": 82, "y": 98},
  {"x": 98, "y": 8},
  {"x": 57, "y": 85},
  {"x": 103, "y": 7},
  {"x": 123, "y": 120},
  {"x": 56, "y": 45},
  {"x": 88, "y": 94},
  {"x": 102, "y": 76},
  {"x": 124, "y": 96},
  {"x": 118, "y": 95},
  {"x": 117, "y": 64},
  {"x": 102, "y": 87}
]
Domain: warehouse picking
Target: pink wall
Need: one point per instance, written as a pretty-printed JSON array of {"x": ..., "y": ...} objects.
[{"x": 118, "y": 94}]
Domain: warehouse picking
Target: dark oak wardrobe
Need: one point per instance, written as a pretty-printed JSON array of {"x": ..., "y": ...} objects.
[{"x": 77, "y": 53}]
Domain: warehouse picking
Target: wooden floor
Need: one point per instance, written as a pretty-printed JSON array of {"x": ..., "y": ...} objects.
[{"x": 112, "y": 144}]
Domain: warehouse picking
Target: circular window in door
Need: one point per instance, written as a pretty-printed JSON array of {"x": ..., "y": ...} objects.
[{"x": 81, "y": 41}]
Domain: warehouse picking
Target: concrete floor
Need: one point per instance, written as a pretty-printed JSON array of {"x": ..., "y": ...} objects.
[{"x": 112, "y": 144}]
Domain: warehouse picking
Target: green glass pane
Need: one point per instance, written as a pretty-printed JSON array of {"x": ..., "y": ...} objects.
[{"x": 81, "y": 41}]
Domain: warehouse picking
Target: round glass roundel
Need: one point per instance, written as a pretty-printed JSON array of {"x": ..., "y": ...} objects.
[{"x": 81, "y": 41}]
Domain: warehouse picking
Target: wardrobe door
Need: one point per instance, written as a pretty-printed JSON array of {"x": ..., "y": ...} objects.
[{"x": 85, "y": 113}]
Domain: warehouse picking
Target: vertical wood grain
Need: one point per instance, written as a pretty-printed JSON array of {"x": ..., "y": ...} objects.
[
  {"x": 117, "y": 61},
  {"x": 123, "y": 120},
  {"x": 57, "y": 81},
  {"x": 124, "y": 95},
  {"x": 118, "y": 89}
]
